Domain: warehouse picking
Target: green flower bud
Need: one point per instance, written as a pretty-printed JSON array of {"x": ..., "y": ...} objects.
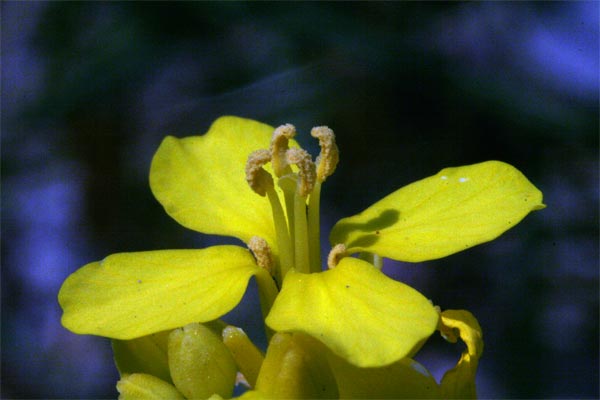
[
  {"x": 200, "y": 364},
  {"x": 146, "y": 387}
]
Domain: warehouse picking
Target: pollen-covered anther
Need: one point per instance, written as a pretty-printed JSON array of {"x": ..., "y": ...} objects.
[
  {"x": 279, "y": 146},
  {"x": 259, "y": 179},
  {"x": 262, "y": 252},
  {"x": 335, "y": 255},
  {"x": 330, "y": 156},
  {"x": 306, "y": 170}
]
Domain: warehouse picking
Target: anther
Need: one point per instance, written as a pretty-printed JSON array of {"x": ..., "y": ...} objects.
[
  {"x": 279, "y": 146},
  {"x": 329, "y": 157},
  {"x": 306, "y": 170},
  {"x": 259, "y": 179},
  {"x": 262, "y": 252},
  {"x": 335, "y": 255}
]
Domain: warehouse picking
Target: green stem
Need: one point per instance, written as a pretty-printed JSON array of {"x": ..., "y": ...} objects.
[
  {"x": 286, "y": 252},
  {"x": 314, "y": 234},
  {"x": 301, "y": 253}
]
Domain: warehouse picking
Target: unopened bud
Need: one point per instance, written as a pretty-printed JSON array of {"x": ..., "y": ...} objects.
[
  {"x": 144, "y": 386},
  {"x": 200, "y": 364},
  {"x": 247, "y": 356}
]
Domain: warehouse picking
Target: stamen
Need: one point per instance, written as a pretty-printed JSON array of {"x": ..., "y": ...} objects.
[
  {"x": 306, "y": 167},
  {"x": 267, "y": 288},
  {"x": 262, "y": 252},
  {"x": 326, "y": 163},
  {"x": 259, "y": 179},
  {"x": 330, "y": 156},
  {"x": 335, "y": 255},
  {"x": 279, "y": 146}
]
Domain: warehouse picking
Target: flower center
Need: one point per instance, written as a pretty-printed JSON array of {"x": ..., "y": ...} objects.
[{"x": 300, "y": 180}]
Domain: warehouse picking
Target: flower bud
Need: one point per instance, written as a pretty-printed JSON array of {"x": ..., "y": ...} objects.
[
  {"x": 147, "y": 387},
  {"x": 200, "y": 364},
  {"x": 296, "y": 367}
]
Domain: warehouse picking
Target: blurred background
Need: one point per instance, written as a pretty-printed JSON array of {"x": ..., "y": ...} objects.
[{"x": 90, "y": 89}]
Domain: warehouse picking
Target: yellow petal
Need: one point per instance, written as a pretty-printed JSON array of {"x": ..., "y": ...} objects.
[
  {"x": 146, "y": 387},
  {"x": 359, "y": 313},
  {"x": 200, "y": 180},
  {"x": 147, "y": 354},
  {"x": 296, "y": 367},
  {"x": 129, "y": 295},
  {"x": 456, "y": 209},
  {"x": 405, "y": 379},
  {"x": 459, "y": 382}
]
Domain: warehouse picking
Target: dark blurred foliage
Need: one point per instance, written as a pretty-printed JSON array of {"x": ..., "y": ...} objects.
[{"x": 89, "y": 90}]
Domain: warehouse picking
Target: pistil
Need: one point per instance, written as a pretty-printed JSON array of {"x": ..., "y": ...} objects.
[
  {"x": 287, "y": 179},
  {"x": 305, "y": 184}
]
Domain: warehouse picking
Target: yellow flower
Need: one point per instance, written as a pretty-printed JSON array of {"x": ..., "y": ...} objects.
[{"x": 248, "y": 180}]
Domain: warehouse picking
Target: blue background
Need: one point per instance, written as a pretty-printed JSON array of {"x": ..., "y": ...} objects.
[{"x": 90, "y": 89}]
